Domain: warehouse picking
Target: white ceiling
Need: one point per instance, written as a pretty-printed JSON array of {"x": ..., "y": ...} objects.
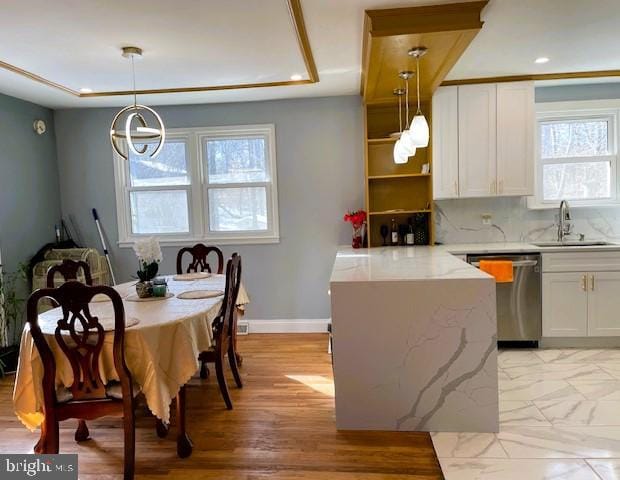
[{"x": 195, "y": 42}]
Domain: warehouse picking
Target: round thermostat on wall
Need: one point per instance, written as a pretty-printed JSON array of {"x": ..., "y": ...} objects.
[{"x": 39, "y": 126}]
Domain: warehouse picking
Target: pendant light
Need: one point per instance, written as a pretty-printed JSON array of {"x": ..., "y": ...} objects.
[
  {"x": 418, "y": 132},
  {"x": 399, "y": 156},
  {"x": 406, "y": 145},
  {"x": 123, "y": 121}
]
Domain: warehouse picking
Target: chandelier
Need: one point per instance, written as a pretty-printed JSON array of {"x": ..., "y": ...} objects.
[{"x": 124, "y": 120}]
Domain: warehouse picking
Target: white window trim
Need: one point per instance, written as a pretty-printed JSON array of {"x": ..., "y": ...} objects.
[
  {"x": 609, "y": 109},
  {"x": 197, "y": 191}
]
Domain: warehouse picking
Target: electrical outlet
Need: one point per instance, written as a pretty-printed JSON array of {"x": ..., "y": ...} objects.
[{"x": 486, "y": 218}]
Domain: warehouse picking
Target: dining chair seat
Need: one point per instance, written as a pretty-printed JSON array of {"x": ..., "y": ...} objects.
[{"x": 112, "y": 390}]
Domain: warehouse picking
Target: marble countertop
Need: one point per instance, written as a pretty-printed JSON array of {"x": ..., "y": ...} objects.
[{"x": 429, "y": 263}]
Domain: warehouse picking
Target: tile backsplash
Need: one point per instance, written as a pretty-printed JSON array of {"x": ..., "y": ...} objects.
[{"x": 460, "y": 221}]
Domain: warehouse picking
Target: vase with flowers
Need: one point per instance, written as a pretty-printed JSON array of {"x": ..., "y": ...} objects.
[
  {"x": 357, "y": 219},
  {"x": 149, "y": 255}
]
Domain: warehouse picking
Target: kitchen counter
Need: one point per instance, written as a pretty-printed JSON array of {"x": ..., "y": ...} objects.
[
  {"x": 414, "y": 331},
  {"x": 415, "y": 335}
]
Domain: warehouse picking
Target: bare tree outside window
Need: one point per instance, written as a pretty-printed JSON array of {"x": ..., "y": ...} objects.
[{"x": 576, "y": 159}]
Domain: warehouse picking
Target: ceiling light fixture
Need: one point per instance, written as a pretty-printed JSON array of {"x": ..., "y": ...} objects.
[
  {"x": 403, "y": 148},
  {"x": 296, "y": 77},
  {"x": 541, "y": 60},
  {"x": 419, "y": 132},
  {"x": 143, "y": 134},
  {"x": 86, "y": 90}
]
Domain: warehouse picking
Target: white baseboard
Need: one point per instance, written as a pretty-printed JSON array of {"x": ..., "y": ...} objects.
[{"x": 312, "y": 325}]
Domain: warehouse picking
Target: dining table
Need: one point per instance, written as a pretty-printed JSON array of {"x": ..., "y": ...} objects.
[{"x": 163, "y": 338}]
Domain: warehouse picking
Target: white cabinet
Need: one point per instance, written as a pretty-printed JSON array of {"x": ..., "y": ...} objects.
[
  {"x": 483, "y": 140},
  {"x": 515, "y": 138},
  {"x": 581, "y": 294},
  {"x": 477, "y": 140},
  {"x": 445, "y": 142},
  {"x": 565, "y": 305},
  {"x": 604, "y": 304}
]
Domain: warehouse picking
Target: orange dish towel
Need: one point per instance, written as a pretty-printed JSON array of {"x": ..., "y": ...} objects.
[{"x": 500, "y": 269}]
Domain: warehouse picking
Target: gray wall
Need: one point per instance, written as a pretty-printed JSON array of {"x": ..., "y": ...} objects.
[
  {"x": 320, "y": 175},
  {"x": 565, "y": 93},
  {"x": 29, "y": 193},
  {"x": 460, "y": 221}
]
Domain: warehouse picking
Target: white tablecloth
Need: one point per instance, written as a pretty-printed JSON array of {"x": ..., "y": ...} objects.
[{"x": 161, "y": 350}]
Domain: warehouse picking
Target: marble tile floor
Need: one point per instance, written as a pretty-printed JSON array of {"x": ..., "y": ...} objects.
[{"x": 559, "y": 419}]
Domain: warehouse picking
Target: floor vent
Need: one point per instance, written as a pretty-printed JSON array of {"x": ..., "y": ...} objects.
[{"x": 243, "y": 327}]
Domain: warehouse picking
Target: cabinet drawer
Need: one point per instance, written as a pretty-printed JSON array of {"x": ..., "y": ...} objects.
[{"x": 581, "y": 261}]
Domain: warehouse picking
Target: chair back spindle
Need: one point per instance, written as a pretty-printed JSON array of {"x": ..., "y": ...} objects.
[
  {"x": 80, "y": 337},
  {"x": 69, "y": 270},
  {"x": 199, "y": 263}
]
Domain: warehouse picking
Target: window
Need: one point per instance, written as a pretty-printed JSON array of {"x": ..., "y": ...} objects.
[
  {"x": 211, "y": 184},
  {"x": 577, "y": 156}
]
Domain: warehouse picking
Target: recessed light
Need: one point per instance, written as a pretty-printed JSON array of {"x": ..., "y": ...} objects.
[
  {"x": 541, "y": 60},
  {"x": 86, "y": 90},
  {"x": 296, "y": 77}
]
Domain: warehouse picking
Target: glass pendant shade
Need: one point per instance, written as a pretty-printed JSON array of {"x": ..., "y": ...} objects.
[
  {"x": 400, "y": 154},
  {"x": 406, "y": 142},
  {"x": 418, "y": 132}
]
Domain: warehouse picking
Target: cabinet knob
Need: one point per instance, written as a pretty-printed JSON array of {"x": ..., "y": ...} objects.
[
  {"x": 584, "y": 282},
  {"x": 592, "y": 282}
]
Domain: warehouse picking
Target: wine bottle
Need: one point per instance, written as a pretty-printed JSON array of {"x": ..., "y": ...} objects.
[{"x": 394, "y": 232}]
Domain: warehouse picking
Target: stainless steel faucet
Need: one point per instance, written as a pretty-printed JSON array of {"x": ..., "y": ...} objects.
[{"x": 564, "y": 225}]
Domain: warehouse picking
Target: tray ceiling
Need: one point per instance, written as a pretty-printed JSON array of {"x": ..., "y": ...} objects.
[{"x": 198, "y": 43}]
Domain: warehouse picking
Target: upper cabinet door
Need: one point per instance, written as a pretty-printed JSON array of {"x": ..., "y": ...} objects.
[
  {"x": 515, "y": 138},
  {"x": 477, "y": 140},
  {"x": 445, "y": 142}
]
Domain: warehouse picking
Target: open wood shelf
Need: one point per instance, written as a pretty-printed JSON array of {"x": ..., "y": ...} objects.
[
  {"x": 379, "y": 141},
  {"x": 400, "y": 212},
  {"x": 398, "y": 175}
]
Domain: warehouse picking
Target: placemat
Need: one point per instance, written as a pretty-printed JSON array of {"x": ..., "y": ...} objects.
[
  {"x": 183, "y": 277},
  {"x": 134, "y": 298},
  {"x": 198, "y": 294}
]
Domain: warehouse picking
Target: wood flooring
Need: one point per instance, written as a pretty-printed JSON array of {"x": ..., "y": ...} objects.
[{"x": 282, "y": 427}]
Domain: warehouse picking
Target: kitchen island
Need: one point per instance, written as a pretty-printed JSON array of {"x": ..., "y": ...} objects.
[{"x": 414, "y": 341}]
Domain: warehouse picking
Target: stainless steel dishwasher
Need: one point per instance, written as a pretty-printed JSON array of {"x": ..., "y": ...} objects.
[{"x": 519, "y": 303}]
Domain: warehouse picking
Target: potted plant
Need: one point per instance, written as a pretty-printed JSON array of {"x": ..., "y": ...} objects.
[
  {"x": 357, "y": 219},
  {"x": 11, "y": 313},
  {"x": 149, "y": 255}
]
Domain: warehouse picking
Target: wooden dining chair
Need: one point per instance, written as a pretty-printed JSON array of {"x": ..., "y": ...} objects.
[
  {"x": 80, "y": 337},
  {"x": 69, "y": 270},
  {"x": 199, "y": 253},
  {"x": 223, "y": 331}
]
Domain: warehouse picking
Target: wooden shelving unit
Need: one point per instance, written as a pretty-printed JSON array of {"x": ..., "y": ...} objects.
[
  {"x": 402, "y": 191},
  {"x": 399, "y": 192}
]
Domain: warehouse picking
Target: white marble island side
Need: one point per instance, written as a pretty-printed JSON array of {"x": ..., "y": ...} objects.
[{"x": 414, "y": 341}]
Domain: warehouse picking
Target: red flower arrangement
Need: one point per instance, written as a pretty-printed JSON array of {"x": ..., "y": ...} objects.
[{"x": 357, "y": 219}]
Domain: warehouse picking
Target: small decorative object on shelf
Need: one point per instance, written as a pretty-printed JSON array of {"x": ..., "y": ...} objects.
[
  {"x": 384, "y": 230},
  {"x": 357, "y": 219},
  {"x": 149, "y": 255}
]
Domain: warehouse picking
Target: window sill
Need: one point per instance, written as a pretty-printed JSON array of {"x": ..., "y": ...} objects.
[
  {"x": 183, "y": 242},
  {"x": 532, "y": 204}
]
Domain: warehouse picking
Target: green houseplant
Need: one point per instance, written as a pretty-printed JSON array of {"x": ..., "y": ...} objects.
[
  {"x": 11, "y": 316},
  {"x": 149, "y": 255}
]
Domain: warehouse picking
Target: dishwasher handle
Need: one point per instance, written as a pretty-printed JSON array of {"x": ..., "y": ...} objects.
[{"x": 516, "y": 263}]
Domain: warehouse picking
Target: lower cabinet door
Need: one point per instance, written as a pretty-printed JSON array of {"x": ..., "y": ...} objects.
[
  {"x": 565, "y": 304},
  {"x": 604, "y": 304}
]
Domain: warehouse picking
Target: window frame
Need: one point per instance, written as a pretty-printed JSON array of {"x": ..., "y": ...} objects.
[
  {"x": 198, "y": 202},
  {"x": 607, "y": 110}
]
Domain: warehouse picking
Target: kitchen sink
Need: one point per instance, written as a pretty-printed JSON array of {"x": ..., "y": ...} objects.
[{"x": 572, "y": 244}]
